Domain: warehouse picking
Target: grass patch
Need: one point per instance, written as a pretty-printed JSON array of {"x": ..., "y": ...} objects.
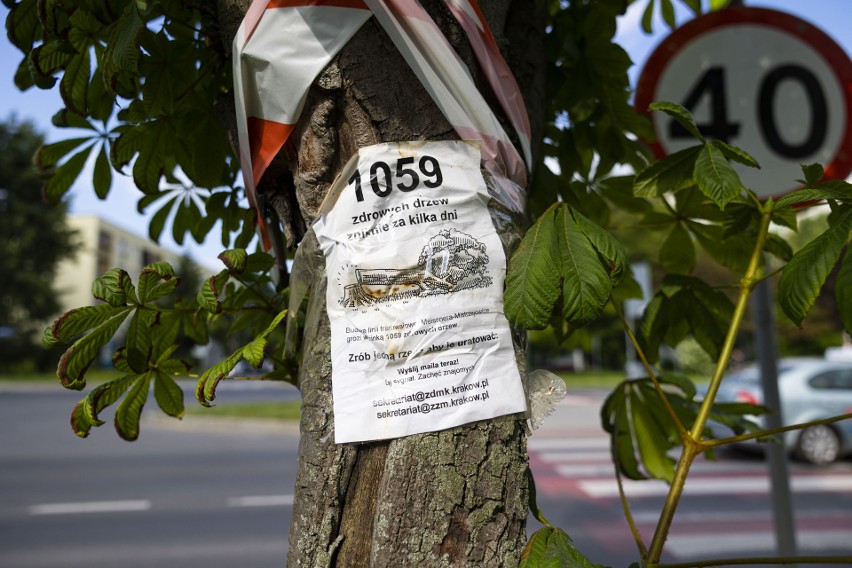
[
  {"x": 288, "y": 410},
  {"x": 94, "y": 376},
  {"x": 592, "y": 379}
]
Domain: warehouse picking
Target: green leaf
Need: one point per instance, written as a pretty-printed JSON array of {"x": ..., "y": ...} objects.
[
  {"x": 38, "y": 78},
  {"x": 114, "y": 288},
  {"x": 609, "y": 249},
  {"x": 586, "y": 284},
  {"x": 74, "y": 86},
  {"x": 234, "y": 260},
  {"x": 158, "y": 221},
  {"x": 731, "y": 252},
  {"x": 128, "y": 413},
  {"x": 119, "y": 361},
  {"x": 146, "y": 200},
  {"x": 52, "y": 56},
  {"x": 77, "y": 358},
  {"x": 843, "y": 291},
  {"x": 208, "y": 296},
  {"x": 155, "y": 150},
  {"x": 813, "y": 173},
  {"x": 165, "y": 332},
  {"x": 259, "y": 262},
  {"x": 736, "y": 154},
  {"x": 127, "y": 144},
  {"x": 64, "y": 118},
  {"x": 104, "y": 395},
  {"x": 22, "y": 24},
  {"x": 168, "y": 395},
  {"x": 152, "y": 277},
  {"x": 807, "y": 271},
  {"x": 140, "y": 340},
  {"x": 205, "y": 388},
  {"x": 532, "y": 283},
  {"x": 778, "y": 247},
  {"x": 694, "y": 5},
  {"x": 680, "y": 114},
  {"x": 641, "y": 430},
  {"x": 835, "y": 189},
  {"x": 678, "y": 253},
  {"x": 651, "y": 441},
  {"x": 672, "y": 173},
  {"x": 616, "y": 420},
  {"x": 550, "y": 547},
  {"x": 648, "y": 17},
  {"x": 85, "y": 414},
  {"x": 619, "y": 191},
  {"x": 715, "y": 176},
  {"x": 79, "y": 320},
  {"x": 533, "y": 501},
  {"x": 122, "y": 49},
  {"x": 204, "y": 150},
  {"x": 667, "y": 9},
  {"x": 254, "y": 352},
  {"x": 49, "y": 155},
  {"x": 102, "y": 176},
  {"x": 536, "y": 548},
  {"x": 65, "y": 176}
]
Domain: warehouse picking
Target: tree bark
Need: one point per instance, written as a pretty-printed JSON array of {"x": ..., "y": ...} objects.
[{"x": 452, "y": 498}]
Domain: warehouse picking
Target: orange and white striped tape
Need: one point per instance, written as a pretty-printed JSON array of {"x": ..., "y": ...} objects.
[{"x": 282, "y": 45}]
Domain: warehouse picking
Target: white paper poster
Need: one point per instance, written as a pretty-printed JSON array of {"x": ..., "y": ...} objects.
[{"x": 419, "y": 341}]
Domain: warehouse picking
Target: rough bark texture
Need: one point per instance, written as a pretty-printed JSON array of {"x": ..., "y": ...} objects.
[{"x": 451, "y": 498}]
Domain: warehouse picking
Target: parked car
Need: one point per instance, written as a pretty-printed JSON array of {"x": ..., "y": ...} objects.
[{"x": 810, "y": 389}]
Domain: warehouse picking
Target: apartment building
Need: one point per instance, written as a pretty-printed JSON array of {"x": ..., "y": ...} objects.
[{"x": 103, "y": 246}]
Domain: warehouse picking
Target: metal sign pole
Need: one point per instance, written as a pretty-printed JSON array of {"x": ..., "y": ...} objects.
[{"x": 766, "y": 344}]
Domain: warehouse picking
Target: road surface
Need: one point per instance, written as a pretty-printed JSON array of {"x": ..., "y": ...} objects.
[{"x": 190, "y": 494}]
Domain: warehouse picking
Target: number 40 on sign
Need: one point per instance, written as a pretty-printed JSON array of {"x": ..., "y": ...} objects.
[{"x": 759, "y": 79}]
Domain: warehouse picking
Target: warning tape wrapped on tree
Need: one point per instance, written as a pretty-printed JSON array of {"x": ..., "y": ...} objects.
[{"x": 280, "y": 49}]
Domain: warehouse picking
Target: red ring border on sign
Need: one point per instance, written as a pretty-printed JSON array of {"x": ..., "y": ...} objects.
[{"x": 836, "y": 58}]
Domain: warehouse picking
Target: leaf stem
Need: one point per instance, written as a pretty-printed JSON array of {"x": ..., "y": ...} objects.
[
  {"x": 692, "y": 443},
  {"x": 772, "y": 432},
  {"x": 650, "y": 371},
  {"x": 643, "y": 550}
]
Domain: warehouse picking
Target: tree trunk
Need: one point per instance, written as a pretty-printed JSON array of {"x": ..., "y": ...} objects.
[{"x": 452, "y": 498}]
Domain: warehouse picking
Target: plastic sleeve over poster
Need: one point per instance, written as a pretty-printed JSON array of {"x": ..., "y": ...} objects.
[{"x": 415, "y": 270}]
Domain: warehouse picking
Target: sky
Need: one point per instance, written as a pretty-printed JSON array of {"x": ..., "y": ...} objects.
[{"x": 833, "y": 17}]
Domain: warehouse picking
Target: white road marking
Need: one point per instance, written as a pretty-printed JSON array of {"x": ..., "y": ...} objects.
[
  {"x": 715, "y": 486},
  {"x": 698, "y": 545},
  {"x": 584, "y": 469},
  {"x": 261, "y": 501},
  {"x": 702, "y": 518},
  {"x": 89, "y": 507},
  {"x": 575, "y": 457},
  {"x": 567, "y": 443}
]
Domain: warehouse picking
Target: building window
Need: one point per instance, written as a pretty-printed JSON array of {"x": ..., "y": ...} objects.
[
  {"x": 149, "y": 257},
  {"x": 104, "y": 252}
]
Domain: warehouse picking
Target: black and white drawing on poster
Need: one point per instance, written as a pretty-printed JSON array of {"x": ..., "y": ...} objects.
[
  {"x": 415, "y": 268},
  {"x": 450, "y": 262}
]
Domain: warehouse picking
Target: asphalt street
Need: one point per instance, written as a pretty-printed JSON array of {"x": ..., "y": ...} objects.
[
  {"x": 189, "y": 494},
  {"x": 183, "y": 495}
]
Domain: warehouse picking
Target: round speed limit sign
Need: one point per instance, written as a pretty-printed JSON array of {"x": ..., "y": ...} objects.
[{"x": 765, "y": 81}]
